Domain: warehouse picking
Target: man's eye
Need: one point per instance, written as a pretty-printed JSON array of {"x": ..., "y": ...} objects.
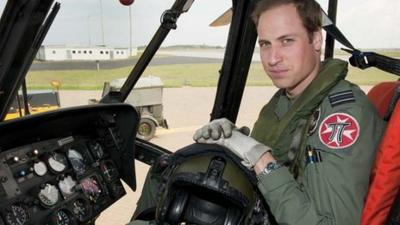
[
  {"x": 287, "y": 41},
  {"x": 263, "y": 44}
]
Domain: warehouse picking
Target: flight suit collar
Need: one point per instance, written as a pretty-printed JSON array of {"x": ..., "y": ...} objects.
[{"x": 283, "y": 105}]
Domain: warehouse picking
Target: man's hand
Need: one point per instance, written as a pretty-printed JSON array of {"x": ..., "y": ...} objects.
[
  {"x": 243, "y": 146},
  {"x": 215, "y": 129}
]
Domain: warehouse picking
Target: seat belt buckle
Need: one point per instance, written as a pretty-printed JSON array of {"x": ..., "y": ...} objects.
[{"x": 360, "y": 59}]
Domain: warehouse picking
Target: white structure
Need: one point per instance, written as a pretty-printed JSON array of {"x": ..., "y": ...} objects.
[{"x": 60, "y": 53}]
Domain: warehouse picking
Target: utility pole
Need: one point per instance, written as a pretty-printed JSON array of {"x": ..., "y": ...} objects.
[
  {"x": 130, "y": 32},
  {"x": 90, "y": 38},
  {"x": 102, "y": 22}
]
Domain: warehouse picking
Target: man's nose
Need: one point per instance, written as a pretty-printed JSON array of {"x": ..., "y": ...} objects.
[{"x": 274, "y": 56}]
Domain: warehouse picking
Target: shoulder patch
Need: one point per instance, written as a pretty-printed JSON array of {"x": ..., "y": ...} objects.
[
  {"x": 341, "y": 97},
  {"x": 339, "y": 130}
]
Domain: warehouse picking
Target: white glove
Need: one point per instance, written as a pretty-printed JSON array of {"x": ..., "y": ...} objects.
[
  {"x": 243, "y": 146},
  {"x": 215, "y": 129}
]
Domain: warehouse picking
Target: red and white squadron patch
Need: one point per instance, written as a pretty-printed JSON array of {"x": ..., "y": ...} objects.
[{"x": 339, "y": 130}]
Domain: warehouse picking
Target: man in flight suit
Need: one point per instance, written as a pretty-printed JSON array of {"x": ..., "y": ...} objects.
[{"x": 314, "y": 143}]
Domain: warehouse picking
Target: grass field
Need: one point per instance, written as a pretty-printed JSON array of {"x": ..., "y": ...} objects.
[
  {"x": 196, "y": 75},
  {"x": 178, "y": 75}
]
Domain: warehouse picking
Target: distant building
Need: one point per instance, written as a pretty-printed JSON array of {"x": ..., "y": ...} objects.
[{"x": 61, "y": 53}]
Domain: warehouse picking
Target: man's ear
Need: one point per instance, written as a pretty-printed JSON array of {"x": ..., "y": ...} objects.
[{"x": 317, "y": 40}]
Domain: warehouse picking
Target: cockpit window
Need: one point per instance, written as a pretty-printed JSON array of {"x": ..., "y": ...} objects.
[{"x": 92, "y": 47}]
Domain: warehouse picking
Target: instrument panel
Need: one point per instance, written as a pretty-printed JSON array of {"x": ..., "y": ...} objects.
[{"x": 66, "y": 176}]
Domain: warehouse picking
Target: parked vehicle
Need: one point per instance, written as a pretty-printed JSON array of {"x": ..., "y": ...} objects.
[
  {"x": 36, "y": 101},
  {"x": 146, "y": 97}
]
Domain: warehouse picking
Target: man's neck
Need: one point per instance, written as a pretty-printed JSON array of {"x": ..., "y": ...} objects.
[
  {"x": 290, "y": 95},
  {"x": 298, "y": 89}
]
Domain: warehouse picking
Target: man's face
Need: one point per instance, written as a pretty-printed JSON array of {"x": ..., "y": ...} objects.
[{"x": 288, "y": 54}]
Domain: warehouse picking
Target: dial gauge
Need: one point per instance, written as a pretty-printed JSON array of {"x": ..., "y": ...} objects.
[
  {"x": 66, "y": 186},
  {"x": 91, "y": 188},
  {"x": 77, "y": 161},
  {"x": 40, "y": 168},
  {"x": 48, "y": 195},
  {"x": 17, "y": 215},
  {"x": 81, "y": 209},
  {"x": 57, "y": 162},
  {"x": 62, "y": 217}
]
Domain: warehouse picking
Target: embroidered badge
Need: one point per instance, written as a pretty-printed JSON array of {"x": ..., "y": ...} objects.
[{"x": 339, "y": 130}]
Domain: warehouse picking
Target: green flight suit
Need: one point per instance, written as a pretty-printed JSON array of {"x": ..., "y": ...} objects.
[
  {"x": 332, "y": 190},
  {"x": 328, "y": 192},
  {"x": 148, "y": 198}
]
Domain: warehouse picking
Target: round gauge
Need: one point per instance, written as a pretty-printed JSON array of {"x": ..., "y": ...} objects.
[
  {"x": 48, "y": 195},
  {"x": 81, "y": 209},
  {"x": 62, "y": 217},
  {"x": 109, "y": 170},
  {"x": 77, "y": 161},
  {"x": 57, "y": 162},
  {"x": 91, "y": 188},
  {"x": 97, "y": 150},
  {"x": 66, "y": 186},
  {"x": 17, "y": 215},
  {"x": 40, "y": 168}
]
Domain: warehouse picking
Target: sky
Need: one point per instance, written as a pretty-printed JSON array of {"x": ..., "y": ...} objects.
[{"x": 366, "y": 23}]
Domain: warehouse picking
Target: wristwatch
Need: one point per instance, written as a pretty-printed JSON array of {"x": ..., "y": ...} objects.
[{"x": 269, "y": 168}]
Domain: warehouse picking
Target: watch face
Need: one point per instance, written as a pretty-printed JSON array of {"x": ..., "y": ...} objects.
[{"x": 271, "y": 166}]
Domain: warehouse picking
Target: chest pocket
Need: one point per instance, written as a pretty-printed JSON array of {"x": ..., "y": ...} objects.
[
  {"x": 316, "y": 174},
  {"x": 316, "y": 184}
]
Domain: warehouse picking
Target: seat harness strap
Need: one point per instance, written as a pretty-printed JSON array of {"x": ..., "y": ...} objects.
[{"x": 358, "y": 58}]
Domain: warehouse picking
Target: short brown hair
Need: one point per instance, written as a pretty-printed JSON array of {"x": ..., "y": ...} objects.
[{"x": 309, "y": 12}]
